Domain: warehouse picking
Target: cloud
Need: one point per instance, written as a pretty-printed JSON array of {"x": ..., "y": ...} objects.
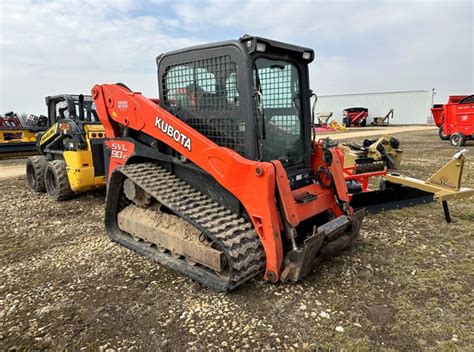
[
  {"x": 361, "y": 45},
  {"x": 52, "y": 47},
  {"x": 421, "y": 54},
  {"x": 57, "y": 46}
]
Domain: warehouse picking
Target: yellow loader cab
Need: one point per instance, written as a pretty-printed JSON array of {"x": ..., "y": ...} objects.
[{"x": 71, "y": 159}]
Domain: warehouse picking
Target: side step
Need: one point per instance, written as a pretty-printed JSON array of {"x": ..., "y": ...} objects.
[{"x": 326, "y": 241}]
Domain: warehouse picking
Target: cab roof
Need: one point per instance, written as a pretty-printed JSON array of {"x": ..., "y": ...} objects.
[{"x": 246, "y": 43}]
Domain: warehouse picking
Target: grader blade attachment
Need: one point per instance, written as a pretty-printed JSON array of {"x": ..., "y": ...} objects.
[
  {"x": 400, "y": 191},
  {"x": 445, "y": 184}
]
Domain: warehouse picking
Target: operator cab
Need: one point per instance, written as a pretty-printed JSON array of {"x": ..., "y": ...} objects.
[
  {"x": 250, "y": 95},
  {"x": 76, "y": 127},
  {"x": 80, "y": 108}
]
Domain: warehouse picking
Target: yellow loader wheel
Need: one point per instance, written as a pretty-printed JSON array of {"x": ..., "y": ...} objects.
[
  {"x": 56, "y": 180},
  {"x": 35, "y": 169}
]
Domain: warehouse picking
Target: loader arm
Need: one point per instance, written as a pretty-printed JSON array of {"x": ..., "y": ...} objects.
[{"x": 251, "y": 182}]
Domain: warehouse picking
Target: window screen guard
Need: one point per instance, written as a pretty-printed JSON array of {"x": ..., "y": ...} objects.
[
  {"x": 202, "y": 85},
  {"x": 207, "y": 91},
  {"x": 279, "y": 83}
]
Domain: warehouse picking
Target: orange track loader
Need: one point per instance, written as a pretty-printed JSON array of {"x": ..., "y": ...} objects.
[{"x": 220, "y": 179}]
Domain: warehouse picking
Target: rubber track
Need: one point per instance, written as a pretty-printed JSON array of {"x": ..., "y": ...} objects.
[{"x": 234, "y": 235}]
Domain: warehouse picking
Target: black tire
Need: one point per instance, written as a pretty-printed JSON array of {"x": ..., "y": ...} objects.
[
  {"x": 56, "y": 180},
  {"x": 442, "y": 135},
  {"x": 394, "y": 142},
  {"x": 457, "y": 139},
  {"x": 35, "y": 169}
]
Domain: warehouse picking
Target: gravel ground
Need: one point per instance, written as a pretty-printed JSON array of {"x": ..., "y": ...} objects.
[{"x": 405, "y": 285}]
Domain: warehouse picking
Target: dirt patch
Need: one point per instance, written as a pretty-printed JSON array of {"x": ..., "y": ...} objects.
[
  {"x": 12, "y": 168},
  {"x": 381, "y": 314},
  {"x": 65, "y": 285}
]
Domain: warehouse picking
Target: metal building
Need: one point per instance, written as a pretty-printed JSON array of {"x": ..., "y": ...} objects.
[{"x": 410, "y": 107}]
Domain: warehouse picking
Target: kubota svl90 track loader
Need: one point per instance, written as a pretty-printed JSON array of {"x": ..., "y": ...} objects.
[
  {"x": 227, "y": 150},
  {"x": 220, "y": 179}
]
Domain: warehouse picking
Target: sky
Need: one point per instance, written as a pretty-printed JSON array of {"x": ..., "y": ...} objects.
[{"x": 59, "y": 46}]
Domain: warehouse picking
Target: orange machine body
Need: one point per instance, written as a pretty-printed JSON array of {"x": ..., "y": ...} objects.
[{"x": 255, "y": 184}]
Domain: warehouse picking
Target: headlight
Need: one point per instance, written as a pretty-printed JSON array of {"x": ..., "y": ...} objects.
[
  {"x": 306, "y": 55},
  {"x": 261, "y": 47}
]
